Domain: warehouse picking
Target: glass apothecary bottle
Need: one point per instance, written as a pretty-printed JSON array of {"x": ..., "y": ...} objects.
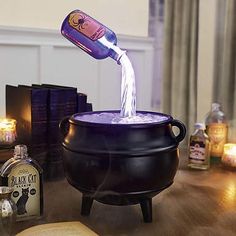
[
  {"x": 199, "y": 148},
  {"x": 7, "y": 211},
  {"x": 91, "y": 36},
  {"x": 24, "y": 175},
  {"x": 217, "y": 130}
]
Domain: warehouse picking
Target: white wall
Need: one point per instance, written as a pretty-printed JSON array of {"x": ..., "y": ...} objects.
[
  {"x": 43, "y": 56},
  {"x": 122, "y": 16},
  {"x": 33, "y": 51},
  {"x": 206, "y": 56}
]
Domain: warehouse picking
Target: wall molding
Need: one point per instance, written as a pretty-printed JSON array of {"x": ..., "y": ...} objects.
[
  {"x": 33, "y": 36},
  {"x": 29, "y": 55}
]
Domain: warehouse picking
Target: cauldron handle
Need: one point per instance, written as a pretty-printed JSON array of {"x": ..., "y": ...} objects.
[
  {"x": 182, "y": 129},
  {"x": 64, "y": 126}
]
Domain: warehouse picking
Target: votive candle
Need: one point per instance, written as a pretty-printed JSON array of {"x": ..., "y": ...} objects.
[
  {"x": 7, "y": 131},
  {"x": 229, "y": 154}
]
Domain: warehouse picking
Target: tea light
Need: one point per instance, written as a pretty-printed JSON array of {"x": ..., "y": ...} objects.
[
  {"x": 229, "y": 154},
  {"x": 7, "y": 131}
]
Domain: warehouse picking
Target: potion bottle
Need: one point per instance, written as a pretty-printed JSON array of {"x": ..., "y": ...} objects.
[
  {"x": 24, "y": 175},
  {"x": 217, "y": 130},
  {"x": 7, "y": 211},
  {"x": 199, "y": 148},
  {"x": 91, "y": 36}
]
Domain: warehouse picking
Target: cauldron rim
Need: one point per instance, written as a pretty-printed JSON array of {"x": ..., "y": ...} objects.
[{"x": 73, "y": 120}]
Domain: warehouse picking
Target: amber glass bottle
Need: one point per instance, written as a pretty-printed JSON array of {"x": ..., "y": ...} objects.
[
  {"x": 24, "y": 175},
  {"x": 217, "y": 130}
]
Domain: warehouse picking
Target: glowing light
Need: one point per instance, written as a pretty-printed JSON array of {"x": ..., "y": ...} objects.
[
  {"x": 229, "y": 154},
  {"x": 228, "y": 199},
  {"x": 7, "y": 131}
]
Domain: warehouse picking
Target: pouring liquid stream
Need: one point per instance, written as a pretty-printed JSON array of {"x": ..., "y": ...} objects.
[
  {"x": 100, "y": 42},
  {"x": 128, "y": 89}
]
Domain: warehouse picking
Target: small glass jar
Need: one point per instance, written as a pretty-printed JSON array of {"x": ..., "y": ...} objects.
[
  {"x": 8, "y": 211},
  {"x": 7, "y": 132},
  {"x": 199, "y": 148}
]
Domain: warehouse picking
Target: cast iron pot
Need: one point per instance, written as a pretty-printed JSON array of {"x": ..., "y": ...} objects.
[{"x": 120, "y": 164}]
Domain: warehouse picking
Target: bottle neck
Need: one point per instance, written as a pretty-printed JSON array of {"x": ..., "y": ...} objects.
[
  {"x": 199, "y": 131},
  {"x": 17, "y": 157},
  {"x": 116, "y": 53},
  {"x": 215, "y": 107}
]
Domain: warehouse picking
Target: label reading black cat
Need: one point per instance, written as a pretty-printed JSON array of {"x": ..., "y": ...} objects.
[{"x": 26, "y": 183}]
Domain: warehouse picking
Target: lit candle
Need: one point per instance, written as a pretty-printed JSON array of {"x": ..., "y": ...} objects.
[
  {"x": 7, "y": 131},
  {"x": 229, "y": 154}
]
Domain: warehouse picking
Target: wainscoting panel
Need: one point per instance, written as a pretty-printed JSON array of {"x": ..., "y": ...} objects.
[{"x": 43, "y": 56}]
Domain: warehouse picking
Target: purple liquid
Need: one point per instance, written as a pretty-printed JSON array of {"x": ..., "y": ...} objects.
[{"x": 115, "y": 118}]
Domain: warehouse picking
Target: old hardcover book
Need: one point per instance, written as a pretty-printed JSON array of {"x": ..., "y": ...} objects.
[
  {"x": 28, "y": 105},
  {"x": 62, "y": 102},
  {"x": 69, "y": 96},
  {"x": 89, "y": 107},
  {"x": 81, "y": 102}
]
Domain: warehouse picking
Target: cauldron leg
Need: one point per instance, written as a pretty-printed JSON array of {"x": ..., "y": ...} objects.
[
  {"x": 86, "y": 205},
  {"x": 146, "y": 206}
]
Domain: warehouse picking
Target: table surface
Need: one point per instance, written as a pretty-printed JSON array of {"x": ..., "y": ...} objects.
[{"x": 198, "y": 203}]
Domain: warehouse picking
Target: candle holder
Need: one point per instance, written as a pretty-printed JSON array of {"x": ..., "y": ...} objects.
[
  {"x": 7, "y": 132},
  {"x": 229, "y": 155}
]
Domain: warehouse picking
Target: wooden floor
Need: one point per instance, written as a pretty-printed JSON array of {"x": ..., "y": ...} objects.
[{"x": 198, "y": 203}]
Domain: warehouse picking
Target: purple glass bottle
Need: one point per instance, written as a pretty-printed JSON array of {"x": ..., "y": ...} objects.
[{"x": 91, "y": 36}]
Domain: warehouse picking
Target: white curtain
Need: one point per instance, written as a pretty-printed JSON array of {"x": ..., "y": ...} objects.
[
  {"x": 179, "y": 89},
  {"x": 225, "y": 63}
]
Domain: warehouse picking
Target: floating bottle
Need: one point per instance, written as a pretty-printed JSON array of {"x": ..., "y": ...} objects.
[
  {"x": 199, "y": 148},
  {"x": 217, "y": 130},
  {"x": 91, "y": 36},
  {"x": 100, "y": 42},
  {"x": 24, "y": 175}
]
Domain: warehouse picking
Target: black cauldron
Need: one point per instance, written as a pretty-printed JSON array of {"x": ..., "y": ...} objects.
[{"x": 120, "y": 164}]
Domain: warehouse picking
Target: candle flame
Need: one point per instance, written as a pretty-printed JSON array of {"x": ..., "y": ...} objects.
[
  {"x": 230, "y": 149},
  {"x": 229, "y": 155},
  {"x": 7, "y": 131},
  {"x": 7, "y": 124}
]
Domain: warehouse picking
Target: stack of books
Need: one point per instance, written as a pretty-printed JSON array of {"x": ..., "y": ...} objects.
[{"x": 38, "y": 110}]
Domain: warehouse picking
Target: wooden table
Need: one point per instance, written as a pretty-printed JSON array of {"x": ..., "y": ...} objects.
[{"x": 198, "y": 203}]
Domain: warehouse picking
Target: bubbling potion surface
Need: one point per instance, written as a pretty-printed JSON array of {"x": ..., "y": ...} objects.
[{"x": 115, "y": 118}]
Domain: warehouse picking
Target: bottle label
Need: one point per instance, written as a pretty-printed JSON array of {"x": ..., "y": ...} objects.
[
  {"x": 217, "y": 133},
  {"x": 26, "y": 183},
  {"x": 86, "y": 25},
  {"x": 197, "y": 152}
]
